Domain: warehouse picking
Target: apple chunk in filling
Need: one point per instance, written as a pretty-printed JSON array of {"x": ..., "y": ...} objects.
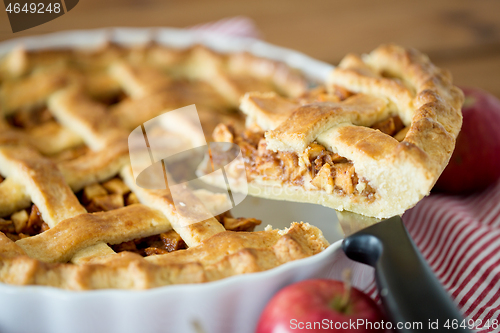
[{"x": 315, "y": 169}]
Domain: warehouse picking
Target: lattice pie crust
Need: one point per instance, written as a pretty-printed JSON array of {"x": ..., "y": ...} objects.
[{"x": 68, "y": 200}]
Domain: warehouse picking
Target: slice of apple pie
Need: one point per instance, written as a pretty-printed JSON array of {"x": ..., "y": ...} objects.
[{"x": 373, "y": 140}]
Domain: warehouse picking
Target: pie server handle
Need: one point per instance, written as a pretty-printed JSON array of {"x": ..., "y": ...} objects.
[{"x": 409, "y": 291}]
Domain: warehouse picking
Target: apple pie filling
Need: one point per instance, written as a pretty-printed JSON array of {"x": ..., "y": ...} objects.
[{"x": 24, "y": 223}]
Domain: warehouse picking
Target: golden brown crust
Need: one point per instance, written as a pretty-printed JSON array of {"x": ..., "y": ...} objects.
[
  {"x": 138, "y": 81},
  {"x": 43, "y": 182},
  {"x": 306, "y": 122},
  {"x": 96, "y": 166},
  {"x": 52, "y": 138},
  {"x": 30, "y": 92},
  {"x": 368, "y": 141},
  {"x": 267, "y": 110},
  {"x": 49, "y": 138},
  {"x": 192, "y": 233},
  {"x": 85, "y": 170},
  {"x": 234, "y": 74},
  {"x": 246, "y": 253},
  {"x": 74, "y": 110},
  {"x": 60, "y": 243},
  {"x": 218, "y": 246},
  {"x": 133, "y": 112},
  {"x": 8, "y": 248},
  {"x": 13, "y": 197},
  {"x": 287, "y": 81}
]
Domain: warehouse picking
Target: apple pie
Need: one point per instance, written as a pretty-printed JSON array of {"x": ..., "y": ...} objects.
[
  {"x": 373, "y": 140},
  {"x": 71, "y": 213}
]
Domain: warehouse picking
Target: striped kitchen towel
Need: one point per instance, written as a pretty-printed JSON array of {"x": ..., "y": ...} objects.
[
  {"x": 459, "y": 236},
  {"x": 238, "y": 26}
]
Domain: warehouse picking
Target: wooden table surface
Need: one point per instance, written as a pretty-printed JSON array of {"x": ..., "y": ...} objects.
[{"x": 461, "y": 35}]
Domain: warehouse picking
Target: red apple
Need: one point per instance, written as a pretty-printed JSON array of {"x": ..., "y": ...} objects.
[
  {"x": 299, "y": 306},
  {"x": 475, "y": 163}
]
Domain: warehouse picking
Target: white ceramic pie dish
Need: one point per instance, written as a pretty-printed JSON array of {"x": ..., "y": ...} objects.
[{"x": 230, "y": 305}]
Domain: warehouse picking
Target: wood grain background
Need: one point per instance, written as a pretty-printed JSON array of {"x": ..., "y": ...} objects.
[{"x": 461, "y": 35}]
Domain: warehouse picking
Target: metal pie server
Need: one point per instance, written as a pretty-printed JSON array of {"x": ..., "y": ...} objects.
[{"x": 409, "y": 290}]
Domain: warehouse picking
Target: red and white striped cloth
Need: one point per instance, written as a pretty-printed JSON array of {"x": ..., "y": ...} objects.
[
  {"x": 238, "y": 26},
  {"x": 458, "y": 236}
]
